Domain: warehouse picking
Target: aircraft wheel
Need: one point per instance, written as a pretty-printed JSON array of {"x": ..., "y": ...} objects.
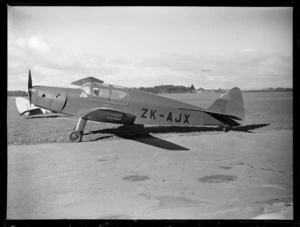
[
  {"x": 75, "y": 136},
  {"x": 225, "y": 128}
]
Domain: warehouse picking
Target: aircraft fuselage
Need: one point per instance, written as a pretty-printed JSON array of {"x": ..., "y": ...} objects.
[{"x": 147, "y": 108}]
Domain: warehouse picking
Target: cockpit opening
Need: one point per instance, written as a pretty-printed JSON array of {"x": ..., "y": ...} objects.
[
  {"x": 104, "y": 91},
  {"x": 86, "y": 88}
]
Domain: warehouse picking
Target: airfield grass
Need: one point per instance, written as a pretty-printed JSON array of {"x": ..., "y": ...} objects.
[{"x": 266, "y": 110}]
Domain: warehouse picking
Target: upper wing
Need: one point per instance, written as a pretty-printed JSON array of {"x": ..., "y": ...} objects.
[{"x": 110, "y": 115}]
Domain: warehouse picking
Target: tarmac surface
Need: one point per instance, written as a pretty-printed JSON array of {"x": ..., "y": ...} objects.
[{"x": 216, "y": 175}]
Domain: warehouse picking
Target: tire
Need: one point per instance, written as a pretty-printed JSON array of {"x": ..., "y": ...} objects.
[
  {"x": 225, "y": 129},
  {"x": 75, "y": 136}
]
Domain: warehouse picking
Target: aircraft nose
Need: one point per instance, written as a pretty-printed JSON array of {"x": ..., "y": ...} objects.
[
  {"x": 34, "y": 94},
  {"x": 50, "y": 98}
]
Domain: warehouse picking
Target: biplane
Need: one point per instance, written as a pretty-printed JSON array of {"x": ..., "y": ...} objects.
[{"x": 95, "y": 100}]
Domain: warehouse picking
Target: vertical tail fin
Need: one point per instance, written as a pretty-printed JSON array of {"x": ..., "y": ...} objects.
[{"x": 230, "y": 103}]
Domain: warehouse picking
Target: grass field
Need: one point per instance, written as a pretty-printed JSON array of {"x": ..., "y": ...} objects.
[{"x": 264, "y": 111}]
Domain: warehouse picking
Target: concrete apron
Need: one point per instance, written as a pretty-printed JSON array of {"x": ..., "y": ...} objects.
[{"x": 233, "y": 175}]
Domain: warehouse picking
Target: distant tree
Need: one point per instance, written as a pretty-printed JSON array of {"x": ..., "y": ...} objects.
[
  {"x": 168, "y": 89},
  {"x": 193, "y": 88},
  {"x": 17, "y": 93}
]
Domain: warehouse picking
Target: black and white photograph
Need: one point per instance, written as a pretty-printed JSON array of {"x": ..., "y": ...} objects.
[{"x": 169, "y": 113}]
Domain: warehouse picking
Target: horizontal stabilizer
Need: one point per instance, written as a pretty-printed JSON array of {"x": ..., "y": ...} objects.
[
  {"x": 225, "y": 115},
  {"x": 212, "y": 112}
]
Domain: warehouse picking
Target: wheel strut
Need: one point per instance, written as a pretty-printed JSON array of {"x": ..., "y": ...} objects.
[{"x": 76, "y": 135}]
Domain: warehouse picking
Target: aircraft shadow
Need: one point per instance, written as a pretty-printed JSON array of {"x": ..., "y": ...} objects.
[
  {"x": 160, "y": 143},
  {"x": 141, "y": 134},
  {"x": 247, "y": 128},
  {"x": 140, "y": 130}
]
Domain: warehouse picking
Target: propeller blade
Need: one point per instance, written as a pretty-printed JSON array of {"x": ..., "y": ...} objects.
[{"x": 29, "y": 86}]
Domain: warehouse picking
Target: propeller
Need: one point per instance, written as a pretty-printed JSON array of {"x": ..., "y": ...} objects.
[{"x": 29, "y": 86}]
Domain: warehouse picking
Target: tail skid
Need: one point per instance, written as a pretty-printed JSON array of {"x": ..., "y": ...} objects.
[{"x": 230, "y": 105}]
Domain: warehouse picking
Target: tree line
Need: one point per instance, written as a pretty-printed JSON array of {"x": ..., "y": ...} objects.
[
  {"x": 168, "y": 89},
  {"x": 155, "y": 89},
  {"x": 17, "y": 93}
]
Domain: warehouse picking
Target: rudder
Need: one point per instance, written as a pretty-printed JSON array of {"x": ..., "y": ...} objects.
[{"x": 230, "y": 103}]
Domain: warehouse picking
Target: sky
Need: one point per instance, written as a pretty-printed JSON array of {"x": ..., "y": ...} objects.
[{"x": 209, "y": 47}]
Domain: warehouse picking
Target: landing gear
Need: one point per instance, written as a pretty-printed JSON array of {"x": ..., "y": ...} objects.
[
  {"x": 225, "y": 128},
  {"x": 76, "y": 135}
]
